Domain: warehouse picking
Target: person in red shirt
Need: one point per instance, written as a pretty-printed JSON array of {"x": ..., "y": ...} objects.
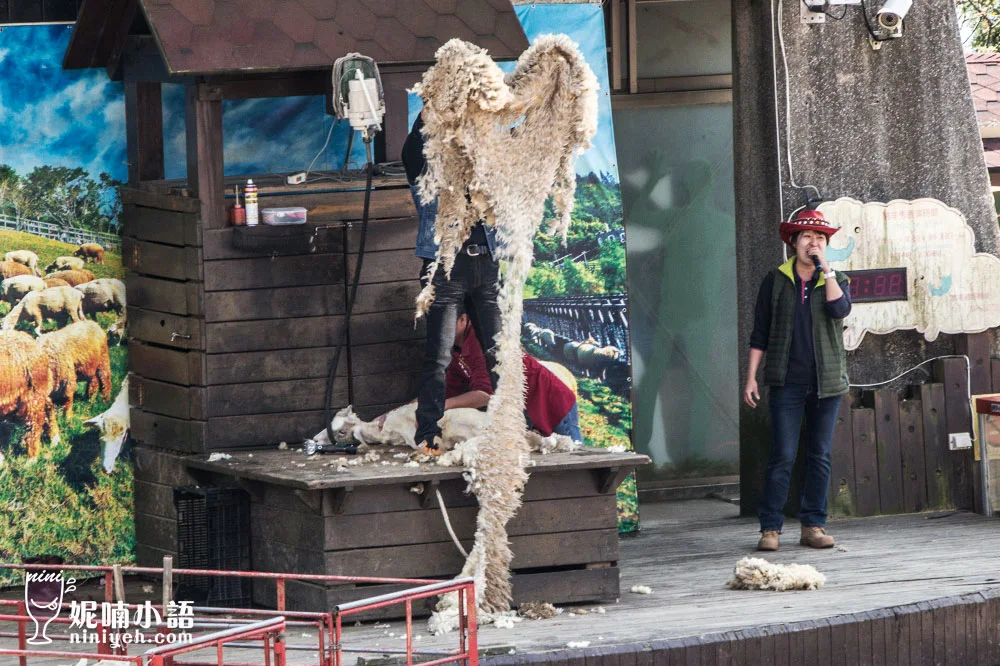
[{"x": 550, "y": 405}]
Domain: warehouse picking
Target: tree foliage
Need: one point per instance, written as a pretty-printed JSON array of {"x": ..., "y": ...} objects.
[
  {"x": 983, "y": 18},
  {"x": 66, "y": 196}
]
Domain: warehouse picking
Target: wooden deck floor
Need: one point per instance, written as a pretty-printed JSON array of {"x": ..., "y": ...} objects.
[{"x": 686, "y": 552}]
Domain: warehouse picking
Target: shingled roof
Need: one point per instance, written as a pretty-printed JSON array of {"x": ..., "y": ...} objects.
[
  {"x": 248, "y": 36},
  {"x": 984, "y": 75}
]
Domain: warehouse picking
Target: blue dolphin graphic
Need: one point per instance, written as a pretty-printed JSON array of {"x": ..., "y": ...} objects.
[
  {"x": 838, "y": 254},
  {"x": 944, "y": 288}
]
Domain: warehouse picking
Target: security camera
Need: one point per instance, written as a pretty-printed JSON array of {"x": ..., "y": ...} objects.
[{"x": 890, "y": 17}]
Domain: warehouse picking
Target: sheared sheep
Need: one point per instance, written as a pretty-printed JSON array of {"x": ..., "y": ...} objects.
[
  {"x": 72, "y": 277},
  {"x": 56, "y": 282},
  {"x": 25, "y": 383},
  {"x": 103, "y": 295},
  {"x": 25, "y": 258},
  {"x": 546, "y": 338},
  {"x": 14, "y": 289},
  {"x": 90, "y": 251},
  {"x": 754, "y": 573},
  {"x": 78, "y": 352},
  {"x": 596, "y": 359},
  {"x": 113, "y": 426},
  {"x": 66, "y": 264},
  {"x": 569, "y": 350},
  {"x": 9, "y": 269},
  {"x": 60, "y": 303},
  {"x": 400, "y": 426}
]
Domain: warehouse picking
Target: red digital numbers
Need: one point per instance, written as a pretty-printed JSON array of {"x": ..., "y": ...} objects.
[
  {"x": 881, "y": 284},
  {"x": 895, "y": 284}
]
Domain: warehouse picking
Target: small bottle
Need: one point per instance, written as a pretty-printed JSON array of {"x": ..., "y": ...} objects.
[
  {"x": 250, "y": 198},
  {"x": 238, "y": 214}
]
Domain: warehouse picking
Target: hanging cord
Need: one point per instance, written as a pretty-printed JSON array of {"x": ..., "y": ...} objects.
[
  {"x": 447, "y": 523},
  {"x": 350, "y": 301},
  {"x": 968, "y": 375}
]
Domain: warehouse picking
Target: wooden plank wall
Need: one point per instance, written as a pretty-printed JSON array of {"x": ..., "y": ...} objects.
[
  {"x": 388, "y": 530},
  {"x": 962, "y": 630},
  {"x": 890, "y": 450},
  {"x": 232, "y": 348}
]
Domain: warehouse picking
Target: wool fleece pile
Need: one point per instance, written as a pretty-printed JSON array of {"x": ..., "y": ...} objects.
[{"x": 497, "y": 148}]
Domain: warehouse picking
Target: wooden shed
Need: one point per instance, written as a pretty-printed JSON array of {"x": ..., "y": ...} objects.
[{"x": 230, "y": 348}]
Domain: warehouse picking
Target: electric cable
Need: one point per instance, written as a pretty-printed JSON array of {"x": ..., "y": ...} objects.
[
  {"x": 350, "y": 301},
  {"x": 968, "y": 375},
  {"x": 447, "y": 524},
  {"x": 323, "y": 149},
  {"x": 788, "y": 111}
]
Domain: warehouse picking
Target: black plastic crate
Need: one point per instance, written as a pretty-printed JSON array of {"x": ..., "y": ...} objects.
[{"x": 213, "y": 532}]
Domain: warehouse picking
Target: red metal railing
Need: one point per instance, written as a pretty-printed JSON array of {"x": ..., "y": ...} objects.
[
  {"x": 329, "y": 645},
  {"x": 270, "y": 632}
]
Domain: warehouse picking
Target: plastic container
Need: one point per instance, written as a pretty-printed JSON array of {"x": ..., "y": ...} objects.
[
  {"x": 281, "y": 216},
  {"x": 250, "y": 197}
]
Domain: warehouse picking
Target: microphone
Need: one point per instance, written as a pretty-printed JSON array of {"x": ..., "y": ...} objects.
[{"x": 816, "y": 261}]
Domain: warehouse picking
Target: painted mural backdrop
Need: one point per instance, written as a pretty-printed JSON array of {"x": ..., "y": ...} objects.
[
  {"x": 66, "y": 485},
  {"x": 575, "y": 300}
]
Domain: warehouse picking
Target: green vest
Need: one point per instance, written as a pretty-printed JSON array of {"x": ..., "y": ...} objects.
[{"x": 828, "y": 335}]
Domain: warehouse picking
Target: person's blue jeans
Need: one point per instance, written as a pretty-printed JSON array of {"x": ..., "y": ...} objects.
[
  {"x": 570, "y": 425},
  {"x": 788, "y": 404}
]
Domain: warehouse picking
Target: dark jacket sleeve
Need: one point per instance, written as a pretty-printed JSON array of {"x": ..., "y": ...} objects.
[
  {"x": 762, "y": 314},
  {"x": 841, "y": 307},
  {"x": 413, "y": 152}
]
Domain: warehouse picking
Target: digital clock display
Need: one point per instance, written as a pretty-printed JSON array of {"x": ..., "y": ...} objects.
[{"x": 879, "y": 284}]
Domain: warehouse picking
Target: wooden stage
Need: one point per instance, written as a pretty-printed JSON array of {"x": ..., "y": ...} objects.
[{"x": 910, "y": 589}]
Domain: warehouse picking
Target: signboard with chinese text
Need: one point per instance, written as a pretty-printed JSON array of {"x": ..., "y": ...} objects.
[{"x": 950, "y": 287}]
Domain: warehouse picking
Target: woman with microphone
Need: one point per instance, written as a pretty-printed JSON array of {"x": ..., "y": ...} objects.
[{"x": 798, "y": 325}]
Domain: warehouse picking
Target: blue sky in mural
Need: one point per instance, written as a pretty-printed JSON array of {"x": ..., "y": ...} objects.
[
  {"x": 584, "y": 24},
  {"x": 77, "y": 118},
  {"x": 57, "y": 117}
]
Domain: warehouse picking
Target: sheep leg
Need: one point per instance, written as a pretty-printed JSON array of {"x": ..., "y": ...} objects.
[
  {"x": 104, "y": 378},
  {"x": 51, "y": 425},
  {"x": 32, "y": 414}
]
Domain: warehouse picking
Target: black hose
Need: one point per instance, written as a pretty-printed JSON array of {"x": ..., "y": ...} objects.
[{"x": 350, "y": 448}]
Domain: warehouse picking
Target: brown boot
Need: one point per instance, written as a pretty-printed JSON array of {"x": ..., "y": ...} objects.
[
  {"x": 769, "y": 540},
  {"x": 815, "y": 537}
]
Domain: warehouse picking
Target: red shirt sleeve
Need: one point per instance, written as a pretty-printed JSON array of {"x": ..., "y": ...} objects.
[{"x": 467, "y": 370}]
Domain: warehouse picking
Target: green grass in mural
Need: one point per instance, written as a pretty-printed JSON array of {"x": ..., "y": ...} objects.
[
  {"x": 62, "y": 502},
  {"x": 47, "y": 250}
]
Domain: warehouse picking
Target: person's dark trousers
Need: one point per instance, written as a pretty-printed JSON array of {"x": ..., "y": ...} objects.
[
  {"x": 475, "y": 277},
  {"x": 788, "y": 404}
]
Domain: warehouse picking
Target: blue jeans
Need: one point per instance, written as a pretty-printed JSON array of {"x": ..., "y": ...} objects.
[
  {"x": 788, "y": 403},
  {"x": 570, "y": 425}
]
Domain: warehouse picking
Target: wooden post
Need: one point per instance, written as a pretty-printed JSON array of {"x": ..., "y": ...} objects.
[
  {"x": 204, "y": 152},
  {"x": 144, "y": 131},
  {"x": 633, "y": 57},
  {"x": 396, "y": 124},
  {"x": 119, "y": 583},
  {"x": 616, "y": 45}
]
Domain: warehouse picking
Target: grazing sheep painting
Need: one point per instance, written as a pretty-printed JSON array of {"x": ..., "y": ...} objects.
[
  {"x": 25, "y": 384},
  {"x": 63, "y": 304},
  {"x": 24, "y": 257},
  {"x": 112, "y": 425},
  {"x": 14, "y": 289},
  {"x": 73, "y": 277},
  {"x": 103, "y": 295},
  {"x": 66, "y": 264},
  {"x": 9, "y": 269},
  {"x": 90, "y": 252},
  {"x": 78, "y": 353}
]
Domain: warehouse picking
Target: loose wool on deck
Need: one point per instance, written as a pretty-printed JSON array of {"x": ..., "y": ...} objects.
[
  {"x": 497, "y": 147},
  {"x": 754, "y": 573}
]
